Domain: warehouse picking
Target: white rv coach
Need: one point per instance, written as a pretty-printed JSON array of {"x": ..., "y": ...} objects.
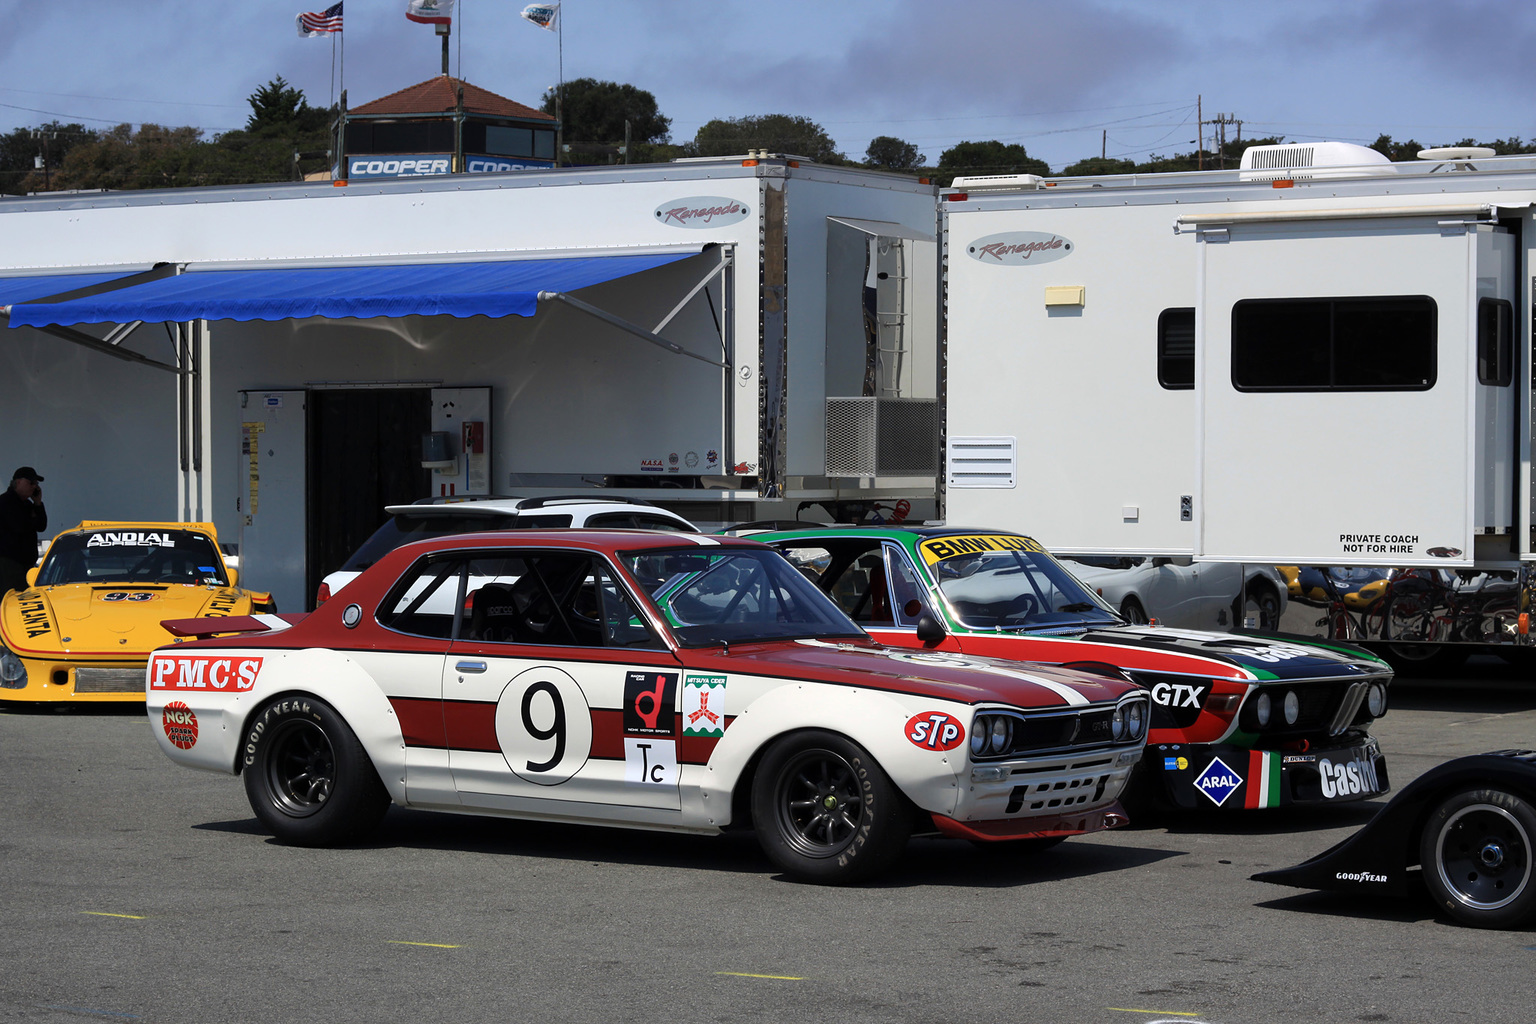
[
  {"x": 1317, "y": 361},
  {"x": 286, "y": 360}
]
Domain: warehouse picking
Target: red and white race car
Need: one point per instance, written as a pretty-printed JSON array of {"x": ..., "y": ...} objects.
[{"x": 686, "y": 683}]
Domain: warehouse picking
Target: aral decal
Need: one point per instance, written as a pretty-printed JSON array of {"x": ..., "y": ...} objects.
[
  {"x": 1019, "y": 248},
  {"x": 701, "y": 212},
  {"x": 1218, "y": 781}
]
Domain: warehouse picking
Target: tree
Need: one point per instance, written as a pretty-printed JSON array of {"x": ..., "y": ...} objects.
[
  {"x": 892, "y": 154},
  {"x": 278, "y": 108},
  {"x": 20, "y": 148},
  {"x": 1098, "y": 165},
  {"x": 777, "y": 133},
  {"x": 990, "y": 157},
  {"x": 1397, "y": 151},
  {"x": 594, "y": 111}
]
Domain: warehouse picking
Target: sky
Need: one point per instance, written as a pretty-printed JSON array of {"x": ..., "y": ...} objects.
[{"x": 1065, "y": 79}]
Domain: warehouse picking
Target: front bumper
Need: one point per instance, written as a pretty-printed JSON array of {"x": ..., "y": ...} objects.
[
  {"x": 54, "y": 681},
  {"x": 1229, "y": 777},
  {"x": 1060, "y": 795}
]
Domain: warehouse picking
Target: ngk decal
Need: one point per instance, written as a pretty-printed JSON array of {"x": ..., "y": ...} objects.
[
  {"x": 935, "y": 730},
  {"x": 700, "y": 212},
  {"x": 1019, "y": 248},
  {"x": 203, "y": 672},
  {"x": 180, "y": 725}
]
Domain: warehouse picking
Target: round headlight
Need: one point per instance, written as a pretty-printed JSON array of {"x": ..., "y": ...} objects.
[
  {"x": 1117, "y": 724},
  {"x": 979, "y": 730},
  {"x": 1261, "y": 710},
  {"x": 13, "y": 674},
  {"x": 1376, "y": 700},
  {"x": 1135, "y": 720},
  {"x": 1292, "y": 707},
  {"x": 1002, "y": 733}
]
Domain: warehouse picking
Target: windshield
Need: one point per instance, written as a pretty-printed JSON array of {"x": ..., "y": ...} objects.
[
  {"x": 995, "y": 581},
  {"x": 735, "y": 595},
  {"x": 132, "y": 556}
]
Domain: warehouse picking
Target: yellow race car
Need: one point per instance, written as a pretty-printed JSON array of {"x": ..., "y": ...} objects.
[{"x": 84, "y": 627}]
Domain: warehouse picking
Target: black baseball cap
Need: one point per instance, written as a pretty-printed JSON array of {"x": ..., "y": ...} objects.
[{"x": 27, "y": 473}]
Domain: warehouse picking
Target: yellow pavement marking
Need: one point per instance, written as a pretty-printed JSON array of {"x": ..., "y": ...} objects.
[
  {"x": 131, "y": 917},
  {"x": 434, "y": 945},
  {"x": 770, "y": 977},
  {"x": 1168, "y": 1013}
]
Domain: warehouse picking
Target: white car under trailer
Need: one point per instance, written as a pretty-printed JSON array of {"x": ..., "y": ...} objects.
[{"x": 1319, "y": 359}]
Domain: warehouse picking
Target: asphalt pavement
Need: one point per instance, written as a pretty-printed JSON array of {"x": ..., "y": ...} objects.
[{"x": 135, "y": 890}]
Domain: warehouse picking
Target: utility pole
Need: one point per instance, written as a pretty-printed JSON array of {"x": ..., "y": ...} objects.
[
  {"x": 1103, "y": 143},
  {"x": 1199, "y": 135},
  {"x": 1221, "y": 121}
]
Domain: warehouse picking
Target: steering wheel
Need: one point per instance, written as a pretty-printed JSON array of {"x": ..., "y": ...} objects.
[{"x": 1021, "y": 607}]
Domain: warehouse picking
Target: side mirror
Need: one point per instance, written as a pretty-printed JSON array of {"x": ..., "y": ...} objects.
[
  {"x": 929, "y": 630},
  {"x": 32, "y": 576},
  {"x": 234, "y": 575}
]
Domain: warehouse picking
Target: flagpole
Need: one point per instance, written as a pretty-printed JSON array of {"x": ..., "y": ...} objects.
[{"x": 560, "y": 91}]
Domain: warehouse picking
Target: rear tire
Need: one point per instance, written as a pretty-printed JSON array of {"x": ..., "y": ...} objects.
[
  {"x": 307, "y": 776},
  {"x": 1132, "y": 611},
  {"x": 1476, "y": 851},
  {"x": 825, "y": 812}
]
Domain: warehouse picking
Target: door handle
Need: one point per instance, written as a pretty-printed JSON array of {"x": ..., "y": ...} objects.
[{"x": 470, "y": 666}]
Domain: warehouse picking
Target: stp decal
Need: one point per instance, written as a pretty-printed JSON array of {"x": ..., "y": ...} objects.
[
  {"x": 202, "y": 672},
  {"x": 180, "y": 725},
  {"x": 650, "y": 762},
  {"x": 935, "y": 730},
  {"x": 704, "y": 706},
  {"x": 649, "y": 698}
]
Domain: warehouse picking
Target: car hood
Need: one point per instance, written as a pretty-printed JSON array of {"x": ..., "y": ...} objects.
[
  {"x": 1266, "y": 657},
  {"x": 971, "y": 680},
  {"x": 103, "y": 619}
]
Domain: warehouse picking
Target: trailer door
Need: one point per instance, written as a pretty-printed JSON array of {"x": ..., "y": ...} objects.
[{"x": 1344, "y": 415}]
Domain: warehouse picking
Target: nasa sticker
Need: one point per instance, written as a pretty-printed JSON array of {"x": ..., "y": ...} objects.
[{"x": 180, "y": 725}]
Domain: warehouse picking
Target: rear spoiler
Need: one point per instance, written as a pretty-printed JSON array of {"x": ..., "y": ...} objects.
[{"x": 212, "y": 625}]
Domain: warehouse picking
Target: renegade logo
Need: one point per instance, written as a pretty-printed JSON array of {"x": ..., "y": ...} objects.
[{"x": 203, "y": 672}]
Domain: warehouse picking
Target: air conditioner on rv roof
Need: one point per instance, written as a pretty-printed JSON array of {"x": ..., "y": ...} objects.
[{"x": 1301, "y": 161}]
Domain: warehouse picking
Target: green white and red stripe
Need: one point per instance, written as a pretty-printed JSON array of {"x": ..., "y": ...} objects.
[{"x": 1263, "y": 779}]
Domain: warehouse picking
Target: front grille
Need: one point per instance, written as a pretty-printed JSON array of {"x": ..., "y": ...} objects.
[
  {"x": 1325, "y": 706},
  {"x": 1060, "y": 731},
  {"x": 109, "y": 680}
]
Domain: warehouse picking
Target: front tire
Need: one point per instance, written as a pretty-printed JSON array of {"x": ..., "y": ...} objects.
[
  {"x": 825, "y": 812},
  {"x": 1132, "y": 611},
  {"x": 307, "y": 776},
  {"x": 1476, "y": 854}
]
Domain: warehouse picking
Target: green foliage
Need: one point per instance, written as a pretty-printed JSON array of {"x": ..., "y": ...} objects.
[
  {"x": 990, "y": 157},
  {"x": 889, "y": 153},
  {"x": 279, "y": 109},
  {"x": 595, "y": 111},
  {"x": 1098, "y": 165},
  {"x": 777, "y": 133},
  {"x": 20, "y": 148}
]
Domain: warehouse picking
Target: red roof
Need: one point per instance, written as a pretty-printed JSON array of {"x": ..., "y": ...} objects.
[{"x": 440, "y": 95}]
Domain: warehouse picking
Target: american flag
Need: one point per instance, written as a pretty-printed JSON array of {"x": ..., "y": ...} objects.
[{"x": 328, "y": 20}]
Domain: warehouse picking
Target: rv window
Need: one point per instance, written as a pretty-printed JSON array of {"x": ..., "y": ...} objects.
[
  {"x": 1176, "y": 348},
  {"x": 1384, "y": 343},
  {"x": 1495, "y": 342}
]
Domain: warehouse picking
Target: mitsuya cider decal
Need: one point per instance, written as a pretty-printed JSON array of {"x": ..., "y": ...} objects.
[{"x": 700, "y": 212}]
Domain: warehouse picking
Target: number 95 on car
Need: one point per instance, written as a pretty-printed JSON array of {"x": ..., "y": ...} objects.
[{"x": 620, "y": 679}]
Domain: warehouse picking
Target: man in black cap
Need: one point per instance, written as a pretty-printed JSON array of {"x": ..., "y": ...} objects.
[{"x": 22, "y": 517}]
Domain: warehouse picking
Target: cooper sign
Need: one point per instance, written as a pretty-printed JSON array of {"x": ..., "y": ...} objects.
[
  {"x": 1019, "y": 248},
  {"x": 700, "y": 212}
]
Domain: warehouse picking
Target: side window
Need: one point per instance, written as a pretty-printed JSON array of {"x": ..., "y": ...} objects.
[
  {"x": 1495, "y": 342},
  {"x": 812, "y": 561},
  {"x": 1176, "y": 348},
  {"x": 557, "y": 597},
  {"x": 907, "y": 601},
  {"x": 1381, "y": 343},
  {"x": 425, "y": 601}
]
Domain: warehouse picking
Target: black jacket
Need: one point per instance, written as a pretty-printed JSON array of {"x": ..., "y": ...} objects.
[{"x": 20, "y": 523}]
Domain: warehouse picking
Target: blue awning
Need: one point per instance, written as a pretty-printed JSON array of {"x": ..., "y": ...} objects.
[
  {"x": 30, "y": 289},
  {"x": 501, "y": 288}
]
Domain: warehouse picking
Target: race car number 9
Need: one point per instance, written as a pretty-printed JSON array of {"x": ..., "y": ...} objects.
[{"x": 544, "y": 726}]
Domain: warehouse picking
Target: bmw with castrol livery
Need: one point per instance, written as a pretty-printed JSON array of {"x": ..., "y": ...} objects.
[{"x": 1245, "y": 720}]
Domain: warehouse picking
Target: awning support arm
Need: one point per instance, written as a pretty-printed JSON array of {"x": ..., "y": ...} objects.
[
  {"x": 709, "y": 276},
  {"x": 110, "y": 348},
  {"x": 625, "y": 325}
]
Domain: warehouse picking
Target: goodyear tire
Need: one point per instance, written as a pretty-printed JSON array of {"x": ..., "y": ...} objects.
[
  {"x": 825, "y": 812},
  {"x": 1476, "y": 851},
  {"x": 307, "y": 777}
]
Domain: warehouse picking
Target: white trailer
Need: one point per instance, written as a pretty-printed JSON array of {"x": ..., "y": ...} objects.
[
  {"x": 1312, "y": 361},
  {"x": 692, "y": 332}
]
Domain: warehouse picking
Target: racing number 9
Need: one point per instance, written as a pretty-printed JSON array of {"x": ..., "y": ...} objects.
[
  {"x": 544, "y": 726},
  {"x": 556, "y": 731}
]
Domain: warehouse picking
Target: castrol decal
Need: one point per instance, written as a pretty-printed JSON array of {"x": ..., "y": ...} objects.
[
  {"x": 180, "y": 725},
  {"x": 203, "y": 672},
  {"x": 935, "y": 730}
]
